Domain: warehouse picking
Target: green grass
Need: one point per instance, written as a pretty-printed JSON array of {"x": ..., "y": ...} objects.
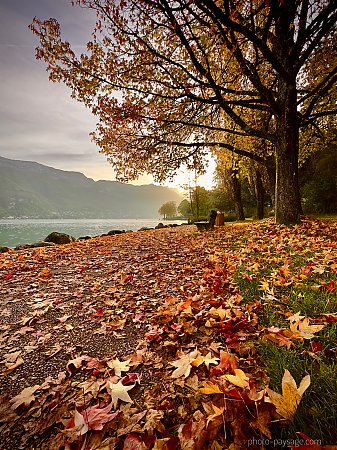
[
  {"x": 311, "y": 302},
  {"x": 317, "y": 413}
]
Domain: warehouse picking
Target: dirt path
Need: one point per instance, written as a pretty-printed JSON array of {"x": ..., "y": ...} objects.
[
  {"x": 101, "y": 299},
  {"x": 143, "y": 340}
]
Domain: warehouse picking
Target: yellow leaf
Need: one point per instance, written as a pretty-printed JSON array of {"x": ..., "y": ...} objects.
[
  {"x": 302, "y": 329},
  {"x": 221, "y": 312},
  {"x": 287, "y": 403},
  {"x": 198, "y": 361},
  {"x": 217, "y": 412},
  {"x": 240, "y": 379},
  {"x": 264, "y": 286},
  {"x": 210, "y": 388}
]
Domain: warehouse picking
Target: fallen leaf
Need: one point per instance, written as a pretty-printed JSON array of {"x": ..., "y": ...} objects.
[
  {"x": 183, "y": 364},
  {"x": 240, "y": 379},
  {"x": 210, "y": 388},
  {"x": 134, "y": 442},
  {"x": 12, "y": 367},
  {"x": 119, "y": 366},
  {"x": 153, "y": 422},
  {"x": 26, "y": 397},
  {"x": 93, "y": 418},
  {"x": 287, "y": 403},
  {"x": 303, "y": 330},
  {"x": 209, "y": 360},
  {"x": 119, "y": 391},
  {"x": 216, "y": 413},
  {"x": 76, "y": 363},
  {"x": 295, "y": 317}
]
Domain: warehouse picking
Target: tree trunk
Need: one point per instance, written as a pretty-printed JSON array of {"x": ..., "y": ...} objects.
[
  {"x": 236, "y": 184},
  {"x": 287, "y": 193},
  {"x": 271, "y": 178},
  {"x": 259, "y": 194}
]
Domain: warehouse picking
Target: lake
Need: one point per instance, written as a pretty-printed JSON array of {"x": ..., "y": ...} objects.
[{"x": 26, "y": 231}]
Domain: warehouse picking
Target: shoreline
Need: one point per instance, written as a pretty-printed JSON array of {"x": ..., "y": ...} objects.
[
  {"x": 69, "y": 238},
  {"x": 16, "y": 232}
]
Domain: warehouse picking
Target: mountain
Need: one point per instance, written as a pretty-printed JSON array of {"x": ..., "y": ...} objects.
[{"x": 29, "y": 189}]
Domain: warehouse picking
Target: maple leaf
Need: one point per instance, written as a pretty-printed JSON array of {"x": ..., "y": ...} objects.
[
  {"x": 302, "y": 329},
  {"x": 210, "y": 388},
  {"x": 91, "y": 386},
  {"x": 119, "y": 391},
  {"x": 153, "y": 422},
  {"x": 217, "y": 412},
  {"x": 76, "y": 363},
  {"x": 287, "y": 403},
  {"x": 11, "y": 367},
  {"x": 192, "y": 435},
  {"x": 10, "y": 357},
  {"x": 184, "y": 364},
  {"x": 209, "y": 360},
  {"x": 295, "y": 317},
  {"x": 264, "y": 286},
  {"x": 240, "y": 379},
  {"x": 26, "y": 397},
  {"x": 93, "y": 418},
  {"x": 228, "y": 362},
  {"x": 222, "y": 313},
  {"x": 119, "y": 366}
]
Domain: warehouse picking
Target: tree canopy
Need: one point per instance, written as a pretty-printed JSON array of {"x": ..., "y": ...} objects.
[
  {"x": 171, "y": 80},
  {"x": 168, "y": 209}
]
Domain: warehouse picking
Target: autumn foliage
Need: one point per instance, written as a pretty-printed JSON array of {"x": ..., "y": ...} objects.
[
  {"x": 149, "y": 340},
  {"x": 174, "y": 80}
]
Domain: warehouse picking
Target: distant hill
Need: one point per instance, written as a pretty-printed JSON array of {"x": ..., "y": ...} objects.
[{"x": 29, "y": 189}]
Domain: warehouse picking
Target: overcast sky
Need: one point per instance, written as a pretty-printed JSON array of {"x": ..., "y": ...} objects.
[{"x": 38, "y": 119}]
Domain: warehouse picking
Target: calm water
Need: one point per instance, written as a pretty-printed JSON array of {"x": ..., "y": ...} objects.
[{"x": 26, "y": 231}]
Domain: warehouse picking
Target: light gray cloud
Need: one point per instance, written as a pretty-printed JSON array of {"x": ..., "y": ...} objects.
[{"x": 38, "y": 119}]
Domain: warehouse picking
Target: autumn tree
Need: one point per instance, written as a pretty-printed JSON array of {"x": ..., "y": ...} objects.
[
  {"x": 168, "y": 210},
  {"x": 180, "y": 67}
]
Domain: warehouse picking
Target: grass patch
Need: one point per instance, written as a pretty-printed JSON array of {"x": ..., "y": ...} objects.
[
  {"x": 317, "y": 413},
  {"x": 312, "y": 302}
]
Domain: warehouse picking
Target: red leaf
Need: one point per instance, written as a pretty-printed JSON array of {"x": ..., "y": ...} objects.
[
  {"x": 153, "y": 336},
  {"x": 133, "y": 442},
  {"x": 330, "y": 318},
  {"x": 98, "y": 312},
  {"x": 228, "y": 362},
  {"x": 316, "y": 346},
  {"x": 131, "y": 378}
]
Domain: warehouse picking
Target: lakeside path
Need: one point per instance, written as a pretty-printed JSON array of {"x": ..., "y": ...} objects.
[{"x": 127, "y": 341}]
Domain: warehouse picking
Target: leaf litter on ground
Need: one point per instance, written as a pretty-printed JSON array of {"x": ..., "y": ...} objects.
[{"x": 159, "y": 349}]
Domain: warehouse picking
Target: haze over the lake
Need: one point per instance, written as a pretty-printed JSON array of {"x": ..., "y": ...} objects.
[{"x": 38, "y": 119}]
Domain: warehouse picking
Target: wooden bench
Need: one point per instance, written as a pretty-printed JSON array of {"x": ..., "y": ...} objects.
[{"x": 205, "y": 225}]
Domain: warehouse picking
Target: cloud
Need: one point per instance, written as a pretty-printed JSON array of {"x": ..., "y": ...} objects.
[{"x": 38, "y": 119}]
